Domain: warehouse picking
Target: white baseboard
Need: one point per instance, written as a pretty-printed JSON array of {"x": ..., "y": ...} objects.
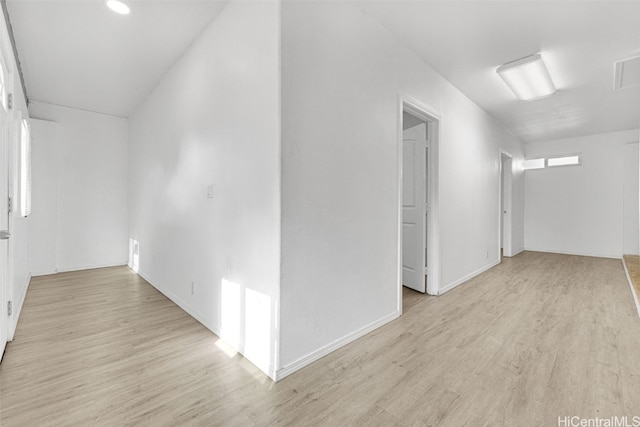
[
  {"x": 91, "y": 266},
  {"x": 467, "y": 277},
  {"x": 178, "y": 301},
  {"x": 237, "y": 346},
  {"x": 77, "y": 268},
  {"x": 633, "y": 290},
  {"x": 519, "y": 251},
  {"x": 594, "y": 255},
  {"x": 17, "y": 309},
  {"x": 323, "y": 351},
  {"x": 43, "y": 273}
]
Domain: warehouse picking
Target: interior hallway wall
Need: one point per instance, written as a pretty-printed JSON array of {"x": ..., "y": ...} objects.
[
  {"x": 18, "y": 245},
  {"x": 90, "y": 169},
  {"x": 631, "y": 200},
  {"x": 342, "y": 76},
  {"x": 578, "y": 209},
  {"x": 214, "y": 120},
  {"x": 43, "y": 221}
]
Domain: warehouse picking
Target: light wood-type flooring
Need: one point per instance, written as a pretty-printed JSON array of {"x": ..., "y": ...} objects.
[{"x": 538, "y": 337}]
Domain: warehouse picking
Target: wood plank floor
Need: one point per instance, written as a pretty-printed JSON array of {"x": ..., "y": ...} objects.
[{"x": 537, "y": 337}]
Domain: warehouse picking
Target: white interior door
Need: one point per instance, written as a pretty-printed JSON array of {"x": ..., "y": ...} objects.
[
  {"x": 427, "y": 207},
  {"x": 4, "y": 228},
  {"x": 414, "y": 207},
  {"x": 503, "y": 205}
]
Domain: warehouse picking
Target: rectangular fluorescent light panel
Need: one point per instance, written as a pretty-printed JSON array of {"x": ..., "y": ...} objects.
[
  {"x": 528, "y": 78},
  {"x": 564, "y": 161},
  {"x": 533, "y": 164}
]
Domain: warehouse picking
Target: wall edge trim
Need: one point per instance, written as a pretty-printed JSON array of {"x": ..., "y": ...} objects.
[
  {"x": 468, "y": 277},
  {"x": 91, "y": 266},
  {"x": 333, "y": 346},
  {"x": 269, "y": 371},
  {"x": 18, "y": 309},
  {"x": 594, "y": 255}
]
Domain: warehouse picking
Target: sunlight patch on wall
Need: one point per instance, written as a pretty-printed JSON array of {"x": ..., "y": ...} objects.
[
  {"x": 231, "y": 313},
  {"x": 246, "y": 324},
  {"x": 258, "y": 328},
  {"x": 134, "y": 255}
]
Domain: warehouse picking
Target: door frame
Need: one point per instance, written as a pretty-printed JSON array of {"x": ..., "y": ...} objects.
[
  {"x": 428, "y": 114},
  {"x": 505, "y": 227}
]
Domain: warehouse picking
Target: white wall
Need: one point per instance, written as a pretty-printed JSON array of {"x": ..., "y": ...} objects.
[
  {"x": 342, "y": 79},
  {"x": 18, "y": 259},
  {"x": 43, "y": 222},
  {"x": 90, "y": 169},
  {"x": 577, "y": 209},
  {"x": 631, "y": 200},
  {"x": 214, "y": 120}
]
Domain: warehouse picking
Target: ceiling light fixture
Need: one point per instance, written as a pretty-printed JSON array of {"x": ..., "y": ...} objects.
[
  {"x": 528, "y": 78},
  {"x": 118, "y": 7}
]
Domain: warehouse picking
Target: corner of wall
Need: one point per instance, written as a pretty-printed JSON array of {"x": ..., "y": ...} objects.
[{"x": 17, "y": 307}]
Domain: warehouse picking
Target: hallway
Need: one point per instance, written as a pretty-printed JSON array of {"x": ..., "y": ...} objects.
[{"x": 537, "y": 337}]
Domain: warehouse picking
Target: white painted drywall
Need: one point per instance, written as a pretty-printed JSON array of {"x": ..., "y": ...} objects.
[
  {"x": 18, "y": 276},
  {"x": 91, "y": 171},
  {"x": 630, "y": 200},
  {"x": 577, "y": 209},
  {"x": 342, "y": 76},
  {"x": 43, "y": 236},
  {"x": 214, "y": 120}
]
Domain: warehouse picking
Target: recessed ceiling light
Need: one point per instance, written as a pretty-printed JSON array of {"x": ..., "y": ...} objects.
[
  {"x": 118, "y": 7},
  {"x": 528, "y": 78}
]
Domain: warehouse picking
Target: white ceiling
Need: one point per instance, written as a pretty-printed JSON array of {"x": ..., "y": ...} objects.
[
  {"x": 579, "y": 41},
  {"x": 80, "y": 54}
]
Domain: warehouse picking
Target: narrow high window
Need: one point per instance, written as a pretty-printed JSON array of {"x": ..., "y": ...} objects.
[
  {"x": 533, "y": 164},
  {"x": 563, "y": 161},
  {"x": 25, "y": 169}
]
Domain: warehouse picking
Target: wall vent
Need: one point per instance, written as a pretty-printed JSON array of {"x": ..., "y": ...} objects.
[{"x": 627, "y": 73}]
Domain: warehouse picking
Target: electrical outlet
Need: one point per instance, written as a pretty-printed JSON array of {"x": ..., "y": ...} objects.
[
  {"x": 211, "y": 189},
  {"x": 486, "y": 254},
  {"x": 193, "y": 288}
]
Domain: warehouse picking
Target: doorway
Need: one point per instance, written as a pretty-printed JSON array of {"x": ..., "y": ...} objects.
[
  {"x": 505, "y": 205},
  {"x": 415, "y": 202},
  {"x": 418, "y": 234}
]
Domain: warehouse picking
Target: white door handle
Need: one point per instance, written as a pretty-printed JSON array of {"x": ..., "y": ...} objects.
[{"x": 4, "y": 234}]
